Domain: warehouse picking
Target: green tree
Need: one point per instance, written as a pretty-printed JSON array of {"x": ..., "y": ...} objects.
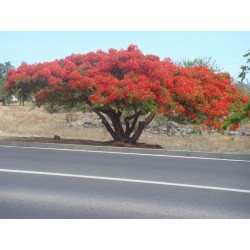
[
  {"x": 2, "y": 82},
  {"x": 200, "y": 61},
  {"x": 4, "y": 67},
  {"x": 245, "y": 69}
]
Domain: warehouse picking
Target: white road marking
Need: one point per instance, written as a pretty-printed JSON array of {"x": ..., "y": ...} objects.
[
  {"x": 124, "y": 180},
  {"x": 126, "y": 153}
]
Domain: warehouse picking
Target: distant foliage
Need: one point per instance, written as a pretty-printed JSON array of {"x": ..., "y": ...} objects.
[
  {"x": 246, "y": 68},
  {"x": 2, "y": 82},
  {"x": 200, "y": 61},
  {"x": 4, "y": 67},
  {"x": 122, "y": 85},
  {"x": 242, "y": 87}
]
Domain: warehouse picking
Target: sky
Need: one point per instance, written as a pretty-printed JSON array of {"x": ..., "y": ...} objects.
[{"x": 226, "y": 48}]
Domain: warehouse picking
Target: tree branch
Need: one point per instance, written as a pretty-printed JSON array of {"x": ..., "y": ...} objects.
[
  {"x": 129, "y": 129},
  {"x": 149, "y": 119},
  {"x": 106, "y": 123},
  {"x": 141, "y": 126},
  {"x": 115, "y": 118}
]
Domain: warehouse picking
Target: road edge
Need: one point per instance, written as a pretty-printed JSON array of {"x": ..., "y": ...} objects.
[{"x": 201, "y": 154}]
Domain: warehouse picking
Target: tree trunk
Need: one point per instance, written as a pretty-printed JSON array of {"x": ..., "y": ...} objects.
[
  {"x": 129, "y": 133},
  {"x": 141, "y": 127},
  {"x": 106, "y": 123}
]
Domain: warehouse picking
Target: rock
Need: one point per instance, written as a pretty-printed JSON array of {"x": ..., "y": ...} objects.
[
  {"x": 88, "y": 124},
  {"x": 154, "y": 132},
  {"x": 91, "y": 120},
  {"x": 172, "y": 125},
  {"x": 161, "y": 128},
  {"x": 177, "y": 134},
  {"x": 57, "y": 137},
  {"x": 234, "y": 133},
  {"x": 170, "y": 128},
  {"x": 245, "y": 132},
  {"x": 164, "y": 130}
]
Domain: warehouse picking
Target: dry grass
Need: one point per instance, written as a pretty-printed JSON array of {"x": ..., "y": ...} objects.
[
  {"x": 24, "y": 121},
  {"x": 211, "y": 143},
  {"x": 18, "y": 121}
]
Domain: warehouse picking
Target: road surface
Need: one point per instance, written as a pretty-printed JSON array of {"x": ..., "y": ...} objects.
[{"x": 55, "y": 183}]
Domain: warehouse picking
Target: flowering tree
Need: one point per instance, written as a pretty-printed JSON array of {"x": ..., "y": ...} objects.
[{"x": 126, "y": 88}]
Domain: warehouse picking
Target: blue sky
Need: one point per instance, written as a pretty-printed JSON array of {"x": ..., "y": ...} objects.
[{"x": 227, "y": 48}]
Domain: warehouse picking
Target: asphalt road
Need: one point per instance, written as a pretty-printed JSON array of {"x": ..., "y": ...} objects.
[{"x": 45, "y": 183}]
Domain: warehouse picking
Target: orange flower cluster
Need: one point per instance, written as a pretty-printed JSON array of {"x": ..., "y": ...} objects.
[{"x": 128, "y": 79}]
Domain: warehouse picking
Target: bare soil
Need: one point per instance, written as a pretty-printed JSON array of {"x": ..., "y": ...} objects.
[
  {"x": 22, "y": 123},
  {"x": 82, "y": 142}
]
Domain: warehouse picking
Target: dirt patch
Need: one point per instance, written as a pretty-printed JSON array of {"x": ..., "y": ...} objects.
[{"x": 81, "y": 142}]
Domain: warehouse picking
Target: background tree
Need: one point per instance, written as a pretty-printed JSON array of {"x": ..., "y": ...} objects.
[
  {"x": 4, "y": 67},
  {"x": 126, "y": 88},
  {"x": 242, "y": 87},
  {"x": 200, "y": 61},
  {"x": 2, "y": 91},
  {"x": 246, "y": 68}
]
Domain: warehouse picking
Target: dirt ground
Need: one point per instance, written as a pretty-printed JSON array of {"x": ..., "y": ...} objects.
[{"x": 27, "y": 124}]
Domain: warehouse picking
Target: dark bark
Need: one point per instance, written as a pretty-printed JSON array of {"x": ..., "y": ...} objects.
[
  {"x": 4, "y": 101},
  {"x": 106, "y": 123},
  {"x": 117, "y": 132},
  {"x": 130, "y": 129},
  {"x": 141, "y": 127},
  {"x": 116, "y": 122}
]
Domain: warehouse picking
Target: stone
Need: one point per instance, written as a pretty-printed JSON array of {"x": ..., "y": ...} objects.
[
  {"x": 172, "y": 125},
  {"x": 88, "y": 124},
  {"x": 234, "y": 133},
  {"x": 57, "y": 137}
]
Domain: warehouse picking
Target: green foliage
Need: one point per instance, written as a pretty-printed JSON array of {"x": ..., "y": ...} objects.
[
  {"x": 247, "y": 107},
  {"x": 51, "y": 108},
  {"x": 57, "y": 107},
  {"x": 200, "y": 61},
  {"x": 238, "y": 117},
  {"x": 4, "y": 67},
  {"x": 245, "y": 69},
  {"x": 235, "y": 118},
  {"x": 161, "y": 119},
  {"x": 2, "y": 82}
]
